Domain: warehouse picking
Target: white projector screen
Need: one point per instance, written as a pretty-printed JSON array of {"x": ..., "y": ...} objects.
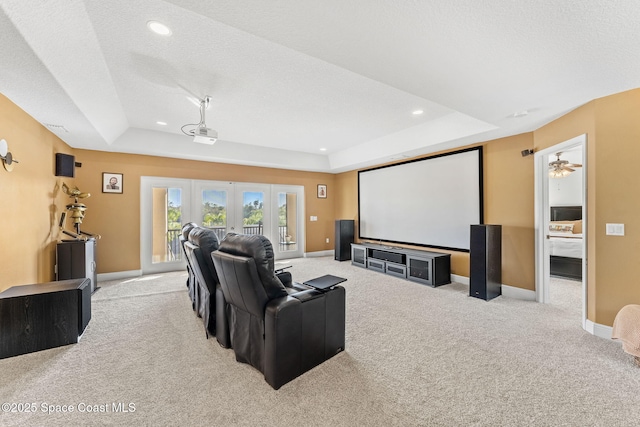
[{"x": 427, "y": 202}]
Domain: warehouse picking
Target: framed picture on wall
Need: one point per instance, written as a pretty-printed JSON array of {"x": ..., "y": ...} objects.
[
  {"x": 322, "y": 191},
  {"x": 112, "y": 182}
]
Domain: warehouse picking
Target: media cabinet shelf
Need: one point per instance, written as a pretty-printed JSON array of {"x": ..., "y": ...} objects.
[{"x": 427, "y": 268}]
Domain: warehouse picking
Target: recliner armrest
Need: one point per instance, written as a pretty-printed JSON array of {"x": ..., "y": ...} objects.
[
  {"x": 306, "y": 295},
  {"x": 285, "y": 278}
]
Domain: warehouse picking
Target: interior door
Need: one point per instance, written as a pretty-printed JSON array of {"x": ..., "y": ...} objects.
[
  {"x": 542, "y": 218},
  {"x": 165, "y": 207}
]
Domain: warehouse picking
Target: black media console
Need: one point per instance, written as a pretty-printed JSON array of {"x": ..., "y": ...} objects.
[{"x": 427, "y": 268}]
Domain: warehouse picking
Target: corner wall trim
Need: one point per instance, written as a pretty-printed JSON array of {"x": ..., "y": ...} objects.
[{"x": 116, "y": 275}]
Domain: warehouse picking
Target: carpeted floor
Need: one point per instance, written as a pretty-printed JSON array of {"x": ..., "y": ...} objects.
[{"x": 415, "y": 356}]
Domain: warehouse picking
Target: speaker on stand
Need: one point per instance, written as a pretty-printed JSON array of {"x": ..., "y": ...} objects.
[
  {"x": 344, "y": 239},
  {"x": 485, "y": 259}
]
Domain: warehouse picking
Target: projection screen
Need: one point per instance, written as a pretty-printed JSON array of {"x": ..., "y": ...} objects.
[{"x": 427, "y": 202}]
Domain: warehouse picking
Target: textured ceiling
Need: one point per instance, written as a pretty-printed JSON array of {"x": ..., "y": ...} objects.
[{"x": 289, "y": 77}]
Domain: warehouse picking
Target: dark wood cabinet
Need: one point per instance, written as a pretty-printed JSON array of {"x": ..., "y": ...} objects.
[
  {"x": 41, "y": 316},
  {"x": 76, "y": 259}
]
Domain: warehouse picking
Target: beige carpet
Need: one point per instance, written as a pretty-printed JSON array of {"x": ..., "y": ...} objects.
[{"x": 415, "y": 356}]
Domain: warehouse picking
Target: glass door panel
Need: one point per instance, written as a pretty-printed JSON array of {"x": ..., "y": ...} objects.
[
  {"x": 287, "y": 222},
  {"x": 166, "y": 224},
  {"x": 214, "y": 211},
  {"x": 253, "y": 212},
  {"x": 288, "y": 241},
  {"x": 213, "y": 205},
  {"x": 164, "y": 209}
]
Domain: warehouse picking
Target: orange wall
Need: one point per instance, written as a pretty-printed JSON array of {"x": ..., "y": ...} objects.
[
  {"x": 31, "y": 199},
  {"x": 509, "y": 201},
  {"x": 116, "y": 217},
  {"x": 617, "y": 150}
]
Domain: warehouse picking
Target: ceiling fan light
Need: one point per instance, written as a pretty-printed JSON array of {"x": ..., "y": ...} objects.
[{"x": 559, "y": 173}]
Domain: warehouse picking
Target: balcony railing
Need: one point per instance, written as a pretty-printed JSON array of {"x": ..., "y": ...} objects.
[{"x": 175, "y": 251}]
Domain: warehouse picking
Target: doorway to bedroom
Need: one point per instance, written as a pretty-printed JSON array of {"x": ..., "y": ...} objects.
[{"x": 560, "y": 222}]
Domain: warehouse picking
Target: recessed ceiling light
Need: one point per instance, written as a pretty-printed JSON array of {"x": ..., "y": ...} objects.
[
  {"x": 159, "y": 28},
  {"x": 323, "y": 149},
  {"x": 161, "y": 123},
  {"x": 418, "y": 112}
]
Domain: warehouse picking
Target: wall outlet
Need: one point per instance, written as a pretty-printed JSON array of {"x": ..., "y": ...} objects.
[
  {"x": 327, "y": 240},
  {"x": 313, "y": 218}
]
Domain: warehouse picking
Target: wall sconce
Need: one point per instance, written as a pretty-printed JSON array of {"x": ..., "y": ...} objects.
[{"x": 6, "y": 156}]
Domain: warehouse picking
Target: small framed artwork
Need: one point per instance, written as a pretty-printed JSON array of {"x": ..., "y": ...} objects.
[
  {"x": 111, "y": 182},
  {"x": 322, "y": 191}
]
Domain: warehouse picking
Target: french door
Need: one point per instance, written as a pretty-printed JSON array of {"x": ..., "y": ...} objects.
[
  {"x": 288, "y": 220},
  {"x": 165, "y": 203},
  {"x": 274, "y": 211}
]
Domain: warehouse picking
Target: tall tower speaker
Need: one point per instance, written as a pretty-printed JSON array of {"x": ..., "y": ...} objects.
[
  {"x": 485, "y": 259},
  {"x": 344, "y": 239}
]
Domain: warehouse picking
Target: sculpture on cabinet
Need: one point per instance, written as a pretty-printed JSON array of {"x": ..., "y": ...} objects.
[{"x": 77, "y": 210}]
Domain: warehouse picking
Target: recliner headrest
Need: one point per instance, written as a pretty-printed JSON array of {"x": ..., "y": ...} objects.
[
  {"x": 205, "y": 238},
  {"x": 260, "y": 249},
  {"x": 186, "y": 229}
]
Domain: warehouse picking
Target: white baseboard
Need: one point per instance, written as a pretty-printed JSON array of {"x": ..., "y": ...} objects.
[
  {"x": 117, "y": 275},
  {"x": 596, "y": 329},
  {"x": 319, "y": 254},
  {"x": 518, "y": 293},
  {"x": 602, "y": 331},
  {"x": 507, "y": 291},
  {"x": 460, "y": 279}
]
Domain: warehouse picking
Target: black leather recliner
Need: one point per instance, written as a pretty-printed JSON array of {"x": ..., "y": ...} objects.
[
  {"x": 191, "y": 279},
  {"x": 283, "y": 332},
  {"x": 209, "y": 299}
]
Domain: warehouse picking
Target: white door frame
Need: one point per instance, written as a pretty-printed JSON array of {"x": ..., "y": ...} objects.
[{"x": 541, "y": 194}]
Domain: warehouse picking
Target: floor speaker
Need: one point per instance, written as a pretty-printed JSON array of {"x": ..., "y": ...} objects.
[
  {"x": 344, "y": 239},
  {"x": 485, "y": 259}
]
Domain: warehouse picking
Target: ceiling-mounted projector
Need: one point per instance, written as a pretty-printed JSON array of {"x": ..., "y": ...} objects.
[
  {"x": 202, "y": 134},
  {"x": 205, "y": 135}
]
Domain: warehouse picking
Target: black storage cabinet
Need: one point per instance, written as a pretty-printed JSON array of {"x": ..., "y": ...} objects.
[{"x": 76, "y": 259}]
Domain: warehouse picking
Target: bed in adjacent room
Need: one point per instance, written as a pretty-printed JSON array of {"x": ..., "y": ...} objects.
[{"x": 565, "y": 241}]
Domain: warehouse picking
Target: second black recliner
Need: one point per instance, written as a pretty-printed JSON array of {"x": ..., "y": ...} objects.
[
  {"x": 281, "y": 331},
  {"x": 209, "y": 302}
]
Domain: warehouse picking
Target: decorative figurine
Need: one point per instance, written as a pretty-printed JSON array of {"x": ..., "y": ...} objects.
[{"x": 77, "y": 213}]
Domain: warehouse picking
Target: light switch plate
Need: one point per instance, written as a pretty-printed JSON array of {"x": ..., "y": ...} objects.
[
  {"x": 313, "y": 218},
  {"x": 615, "y": 229}
]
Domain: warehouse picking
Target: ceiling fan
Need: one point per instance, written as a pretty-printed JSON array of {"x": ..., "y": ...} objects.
[{"x": 561, "y": 168}]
